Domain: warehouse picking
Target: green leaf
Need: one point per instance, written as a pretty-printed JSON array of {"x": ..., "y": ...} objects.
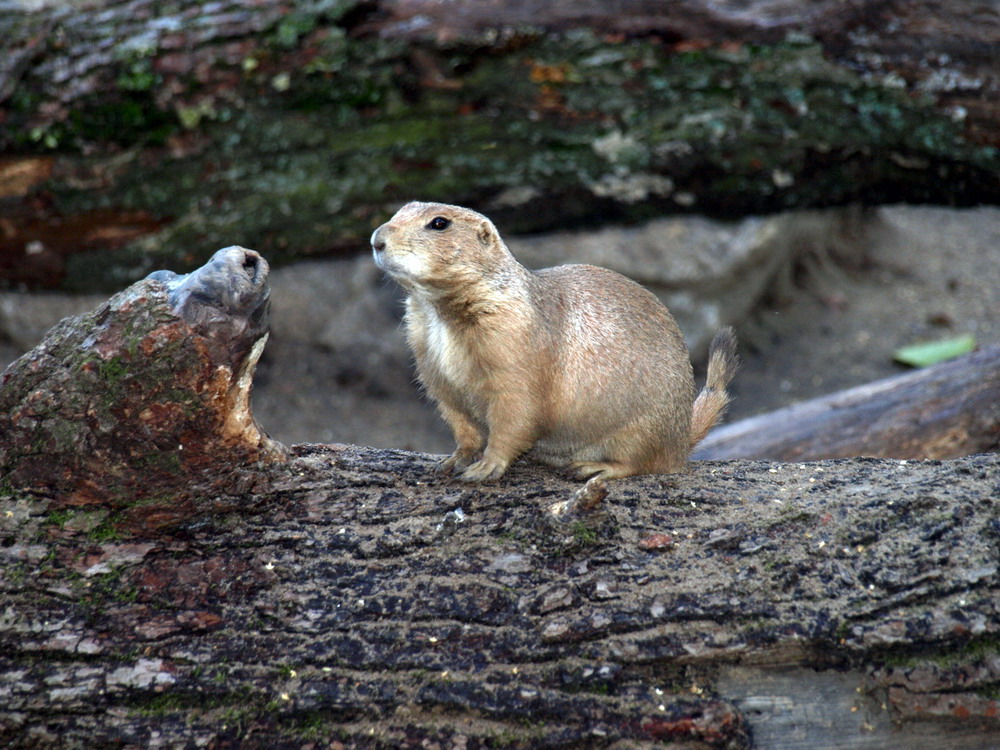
[{"x": 932, "y": 352}]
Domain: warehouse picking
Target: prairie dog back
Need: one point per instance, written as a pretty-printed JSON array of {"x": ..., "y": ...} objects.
[{"x": 621, "y": 360}]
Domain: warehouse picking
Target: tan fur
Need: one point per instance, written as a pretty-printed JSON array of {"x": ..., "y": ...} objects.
[
  {"x": 712, "y": 401},
  {"x": 577, "y": 364}
]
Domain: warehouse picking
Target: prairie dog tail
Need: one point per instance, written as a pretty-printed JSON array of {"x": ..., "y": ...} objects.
[{"x": 713, "y": 399}]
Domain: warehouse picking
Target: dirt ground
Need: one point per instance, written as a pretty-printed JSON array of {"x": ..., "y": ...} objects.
[{"x": 927, "y": 273}]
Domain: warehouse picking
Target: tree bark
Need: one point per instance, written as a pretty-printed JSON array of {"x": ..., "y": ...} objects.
[
  {"x": 140, "y": 410},
  {"x": 945, "y": 411},
  {"x": 135, "y": 134},
  {"x": 363, "y": 602}
]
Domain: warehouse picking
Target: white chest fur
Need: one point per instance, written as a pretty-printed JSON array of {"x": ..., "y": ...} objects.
[
  {"x": 446, "y": 353},
  {"x": 442, "y": 354}
]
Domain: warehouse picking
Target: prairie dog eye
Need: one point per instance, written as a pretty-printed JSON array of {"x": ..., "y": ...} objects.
[{"x": 439, "y": 223}]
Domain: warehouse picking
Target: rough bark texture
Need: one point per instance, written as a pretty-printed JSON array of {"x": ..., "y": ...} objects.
[
  {"x": 134, "y": 411},
  {"x": 134, "y": 130},
  {"x": 839, "y": 604},
  {"x": 945, "y": 411}
]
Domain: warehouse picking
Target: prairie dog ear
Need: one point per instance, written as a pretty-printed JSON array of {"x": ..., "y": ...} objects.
[{"x": 485, "y": 232}]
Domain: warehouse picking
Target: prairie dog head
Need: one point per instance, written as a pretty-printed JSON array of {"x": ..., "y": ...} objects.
[{"x": 433, "y": 247}]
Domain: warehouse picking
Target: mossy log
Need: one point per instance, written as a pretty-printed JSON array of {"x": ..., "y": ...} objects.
[
  {"x": 951, "y": 409},
  {"x": 132, "y": 131}
]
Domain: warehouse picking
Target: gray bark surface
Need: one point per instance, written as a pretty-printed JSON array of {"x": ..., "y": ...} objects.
[{"x": 849, "y": 603}]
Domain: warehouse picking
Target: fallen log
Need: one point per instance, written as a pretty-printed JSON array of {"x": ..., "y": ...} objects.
[
  {"x": 852, "y": 603},
  {"x": 951, "y": 409},
  {"x": 347, "y": 597}
]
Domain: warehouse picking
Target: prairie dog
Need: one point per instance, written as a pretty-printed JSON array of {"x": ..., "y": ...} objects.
[{"x": 576, "y": 364}]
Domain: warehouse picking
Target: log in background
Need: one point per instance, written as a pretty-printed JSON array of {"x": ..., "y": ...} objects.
[{"x": 136, "y": 134}]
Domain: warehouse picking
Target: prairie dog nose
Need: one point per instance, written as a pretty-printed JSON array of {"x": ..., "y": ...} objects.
[{"x": 377, "y": 242}]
